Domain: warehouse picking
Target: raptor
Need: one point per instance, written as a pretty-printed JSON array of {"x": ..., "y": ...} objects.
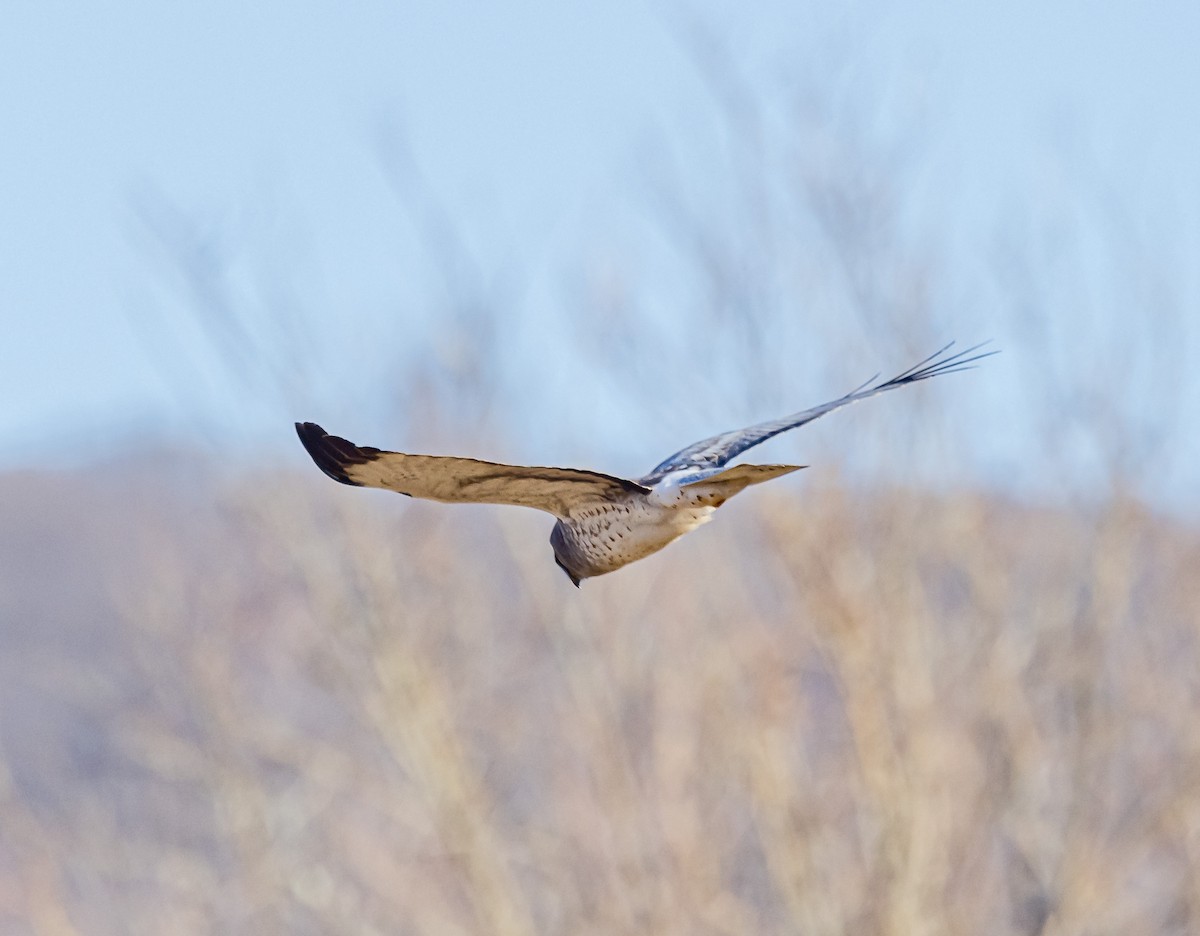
[{"x": 603, "y": 522}]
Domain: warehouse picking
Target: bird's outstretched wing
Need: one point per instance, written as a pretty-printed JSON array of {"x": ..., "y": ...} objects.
[
  {"x": 715, "y": 452},
  {"x": 559, "y": 491}
]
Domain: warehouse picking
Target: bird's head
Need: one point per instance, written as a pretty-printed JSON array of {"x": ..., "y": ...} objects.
[
  {"x": 562, "y": 554},
  {"x": 575, "y": 579}
]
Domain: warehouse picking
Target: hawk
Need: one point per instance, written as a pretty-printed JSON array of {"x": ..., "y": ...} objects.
[{"x": 603, "y": 522}]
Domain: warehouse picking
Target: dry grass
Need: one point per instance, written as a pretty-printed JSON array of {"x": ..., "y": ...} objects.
[{"x": 827, "y": 712}]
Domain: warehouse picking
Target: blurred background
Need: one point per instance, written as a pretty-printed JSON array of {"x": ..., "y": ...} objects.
[{"x": 945, "y": 681}]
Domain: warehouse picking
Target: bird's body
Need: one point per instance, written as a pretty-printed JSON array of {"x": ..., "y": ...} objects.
[
  {"x": 603, "y": 538},
  {"x": 604, "y": 522}
]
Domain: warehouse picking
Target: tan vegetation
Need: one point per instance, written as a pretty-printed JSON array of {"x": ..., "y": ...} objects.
[{"x": 830, "y": 711}]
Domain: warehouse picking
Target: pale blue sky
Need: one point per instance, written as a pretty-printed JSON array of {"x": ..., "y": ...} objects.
[{"x": 529, "y": 122}]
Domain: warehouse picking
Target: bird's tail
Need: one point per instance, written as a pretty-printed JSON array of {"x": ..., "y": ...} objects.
[{"x": 718, "y": 488}]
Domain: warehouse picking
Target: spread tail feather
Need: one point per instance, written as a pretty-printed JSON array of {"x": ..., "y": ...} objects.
[{"x": 721, "y": 487}]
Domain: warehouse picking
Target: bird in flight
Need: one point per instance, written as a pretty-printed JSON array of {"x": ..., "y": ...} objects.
[{"x": 603, "y": 522}]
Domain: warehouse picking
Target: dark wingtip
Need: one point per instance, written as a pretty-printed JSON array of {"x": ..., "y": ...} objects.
[
  {"x": 939, "y": 363},
  {"x": 333, "y": 455}
]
